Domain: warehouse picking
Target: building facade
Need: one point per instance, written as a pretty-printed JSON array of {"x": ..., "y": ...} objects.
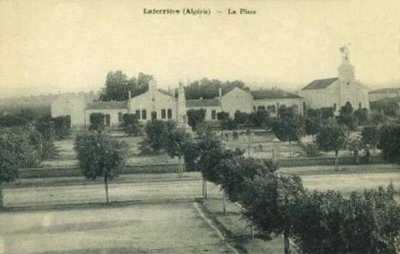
[
  {"x": 163, "y": 105},
  {"x": 336, "y": 92},
  {"x": 384, "y": 93}
]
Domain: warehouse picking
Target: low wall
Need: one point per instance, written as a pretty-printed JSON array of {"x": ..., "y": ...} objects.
[
  {"x": 325, "y": 161},
  {"x": 172, "y": 167},
  {"x": 75, "y": 171}
]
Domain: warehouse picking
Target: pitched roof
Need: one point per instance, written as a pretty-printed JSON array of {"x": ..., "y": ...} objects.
[
  {"x": 386, "y": 90},
  {"x": 320, "y": 83},
  {"x": 203, "y": 103},
  {"x": 272, "y": 94},
  {"x": 108, "y": 105},
  {"x": 166, "y": 92}
]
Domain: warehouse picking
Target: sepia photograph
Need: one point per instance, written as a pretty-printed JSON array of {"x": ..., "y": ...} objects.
[{"x": 213, "y": 126}]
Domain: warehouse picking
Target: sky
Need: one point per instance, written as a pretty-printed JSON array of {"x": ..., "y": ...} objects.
[{"x": 52, "y": 46}]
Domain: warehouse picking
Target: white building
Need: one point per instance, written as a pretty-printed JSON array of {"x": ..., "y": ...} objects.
[
  {"x": 384, "y": 93},
  {"x": 336, "y": 92},
  {"x": 160, "y": 104}
]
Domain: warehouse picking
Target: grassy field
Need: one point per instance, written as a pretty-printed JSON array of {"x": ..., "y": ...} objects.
[{"x": 169, "y": 228}]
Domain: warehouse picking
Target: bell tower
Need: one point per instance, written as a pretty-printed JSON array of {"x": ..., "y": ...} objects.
[{"x": 346, "y": 69}]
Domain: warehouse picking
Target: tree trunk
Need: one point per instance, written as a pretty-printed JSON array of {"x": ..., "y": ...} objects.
[
  {"x": 252, "y": 231},
  {"x": 356, "y": 157},
  {"x": 181, "y": 166},
  {"x": 223, "y": 202},
  {"x": 336, "y": 160},
  {"x": 204, "y": 188},
  {"x": 286, "y": 243},
  {"x": 106, "y": 187},
  {"x": 1, "y": 196}
]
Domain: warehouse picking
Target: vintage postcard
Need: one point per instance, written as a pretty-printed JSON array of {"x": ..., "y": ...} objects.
[{"x": 215, "y": 126}]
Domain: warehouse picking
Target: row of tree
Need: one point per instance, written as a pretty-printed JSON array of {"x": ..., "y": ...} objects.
[{"x": 317, "y": 222}]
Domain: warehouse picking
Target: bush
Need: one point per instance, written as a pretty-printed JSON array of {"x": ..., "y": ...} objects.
[
  {"x": 327, "y": 222},
  {"x": 130, "y": 124},
  {"x": 260, "y": 119},
  {"x": 288, "y": 129},
  {"x": 62, "y": 127},
  {"x": 195, "y": 117},
  {"x": 97, "y": 122},
  {"x": 370, "y": 135},
  {"x": 390, "y": 143}
]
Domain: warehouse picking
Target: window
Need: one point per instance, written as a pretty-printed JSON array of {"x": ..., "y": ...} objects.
[
  {"x": 271, "y": 108},
  {"x": 163, "y": 114},
  {"x": 137, "y": 113},
  {"x": 144, "y": 114},
  {"x": 213, "y": 114},
  {"x": 119, "y": 116},
  {"x": 153, "y": 115},
  {"x": 169, "y": 113}
]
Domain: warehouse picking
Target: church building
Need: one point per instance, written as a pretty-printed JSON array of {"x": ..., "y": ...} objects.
[{"x": 337, "y": 91}]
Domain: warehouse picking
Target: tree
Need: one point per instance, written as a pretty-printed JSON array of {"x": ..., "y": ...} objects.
[
  {"x": 260, "y": 119},
  {"x": 12, "y": 120},
  {"x": 226, "y": 122},
  {"x": 156, "y": 133},
  {"x": 130, "y": 124},
  {"x": 377, "y": 118},
  {"x": 100, "y": 156},
  {"x": 16, "y": 152},
  {"x": 312, "y": 125},
  {"x": 178, "y": 143},
  {"x": 288, "y": 128},
  {"x": 241, "y": 117},
  {"x": 45, "y": 139},
  {"x": 361, "y": 115},
  {"x": 346, "y": 116},
  {"x": 267, "y": 201},
  {"x": 209, "y": 88},
  {"x": 387, "y": 106},
  {"x": 209, "y": 151},
  {"x": 355, "y": 145},
  {"x": 364, "y": 222},
  {"x": 229, "y": 124},
  {"x": 62, "y": 126},
  {"x": 370, "y": 135},
  {"x": 195, "y": 117},
  {"x": 286, "y": 112},
  {"x": 222, "y": 116},
  {"x": 332, "y": 137},
  {"x": 390, "y": 142},
  {"x": 97, "y": 122},
  {"x": 118, "y": 86}
]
